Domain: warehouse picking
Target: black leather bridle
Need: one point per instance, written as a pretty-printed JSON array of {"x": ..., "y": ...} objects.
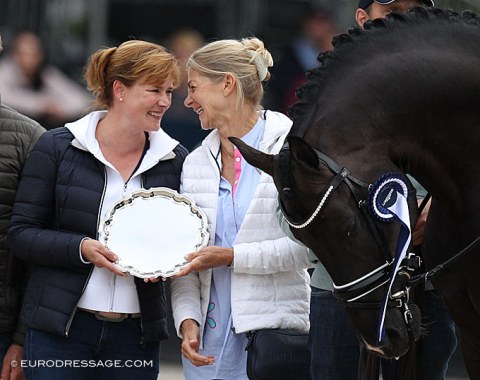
[{"x": 352, "y": 293}]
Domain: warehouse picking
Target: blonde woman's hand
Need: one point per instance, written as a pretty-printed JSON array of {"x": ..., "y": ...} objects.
[
  {"x": 207, "y": 258},
  {"x": 96, "y": 253},
  {"x": 191, "y": 344}
]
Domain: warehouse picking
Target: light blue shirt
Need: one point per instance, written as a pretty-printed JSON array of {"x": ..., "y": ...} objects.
[{"x": 219, "y": 339}]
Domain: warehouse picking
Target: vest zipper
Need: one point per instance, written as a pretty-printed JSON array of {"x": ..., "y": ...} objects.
[{"x": 70, "y": 320}]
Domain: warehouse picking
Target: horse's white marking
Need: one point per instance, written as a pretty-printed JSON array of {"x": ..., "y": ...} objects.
[{"x": 374, "y": 349}]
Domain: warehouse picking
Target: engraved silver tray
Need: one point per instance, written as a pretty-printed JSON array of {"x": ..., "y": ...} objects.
[{"x": 152, "y": 230}]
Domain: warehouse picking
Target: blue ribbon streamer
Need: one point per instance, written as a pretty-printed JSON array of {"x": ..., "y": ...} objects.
[{"x": 399, "y": 210}]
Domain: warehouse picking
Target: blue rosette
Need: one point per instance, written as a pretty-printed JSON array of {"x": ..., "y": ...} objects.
[{"x": 383, "y": 194}]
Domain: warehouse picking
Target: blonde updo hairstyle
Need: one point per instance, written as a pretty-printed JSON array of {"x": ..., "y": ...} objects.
[
  {"x": 133, "y": 61},
  {"x": 246, "y": 59}
]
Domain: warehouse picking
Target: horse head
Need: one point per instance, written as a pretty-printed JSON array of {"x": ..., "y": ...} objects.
[{"x": 326, "y": 208}]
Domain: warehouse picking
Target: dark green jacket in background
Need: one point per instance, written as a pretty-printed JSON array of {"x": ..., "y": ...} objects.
[{"x": 18, "y": 134}]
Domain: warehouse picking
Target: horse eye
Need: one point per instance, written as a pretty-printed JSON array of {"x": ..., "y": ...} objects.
[
  {"x": 352, "y": 227},
  {"x": 287, "y": 192}
]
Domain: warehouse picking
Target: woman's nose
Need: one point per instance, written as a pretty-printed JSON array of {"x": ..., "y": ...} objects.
[
  {"x": 165, "y": 100},
  {"x": 187, "y": 102}
]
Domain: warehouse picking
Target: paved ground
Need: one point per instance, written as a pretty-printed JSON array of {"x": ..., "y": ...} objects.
[
  {"x": 170, "y": 371},
  {"x": 174, "y": 372}
]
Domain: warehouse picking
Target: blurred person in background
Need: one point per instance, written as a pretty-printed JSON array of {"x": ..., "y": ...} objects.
[
  {"x": 35, "y": 88},
  {"x": 180, "y": 122},
  {"x": 317, "y": 29},
  {"x": 18, "y": 134}
]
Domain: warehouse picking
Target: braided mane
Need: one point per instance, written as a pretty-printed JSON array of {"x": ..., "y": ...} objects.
[{"x": 353, "y": 48}]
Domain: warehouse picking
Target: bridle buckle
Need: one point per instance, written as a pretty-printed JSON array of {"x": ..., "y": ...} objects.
[{"x": 412, "y": 262}]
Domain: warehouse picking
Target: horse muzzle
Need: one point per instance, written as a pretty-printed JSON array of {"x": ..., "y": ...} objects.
[{"x": 399, "y": 335}]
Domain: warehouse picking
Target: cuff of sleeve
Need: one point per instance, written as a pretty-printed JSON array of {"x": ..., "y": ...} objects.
[{"x": 19, "y": 334}]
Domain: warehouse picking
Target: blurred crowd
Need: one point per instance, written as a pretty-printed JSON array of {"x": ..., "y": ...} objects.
[
  {"x": 37, "y": 89},
  {"x": 32, "y": 85}
]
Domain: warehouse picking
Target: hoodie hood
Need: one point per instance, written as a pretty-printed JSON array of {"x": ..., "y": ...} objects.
[
  {"x": 161, "y": 144},
  {"x": 277, "y": 126}
]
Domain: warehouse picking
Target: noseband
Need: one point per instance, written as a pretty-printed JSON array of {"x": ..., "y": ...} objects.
[{"x": 351, "y": 293}]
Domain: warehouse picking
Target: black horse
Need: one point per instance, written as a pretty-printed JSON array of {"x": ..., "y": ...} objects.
[{"x": 399, "y": 97}]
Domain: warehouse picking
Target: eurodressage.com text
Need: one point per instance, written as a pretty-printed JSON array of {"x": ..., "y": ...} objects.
[{"x": 86, "y": 363}]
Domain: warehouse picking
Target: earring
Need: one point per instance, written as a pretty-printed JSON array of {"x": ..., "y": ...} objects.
[{"x": 121, "y": 99}]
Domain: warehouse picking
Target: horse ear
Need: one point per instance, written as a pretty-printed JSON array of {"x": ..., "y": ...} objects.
[
  {"x": 254, "y": 157},
  {"x": 303, "y": 152}
]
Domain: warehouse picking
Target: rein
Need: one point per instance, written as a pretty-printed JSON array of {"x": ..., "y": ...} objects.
[
  {"x": 427, "y": 276},
  {"x": 424, "y": 277}
]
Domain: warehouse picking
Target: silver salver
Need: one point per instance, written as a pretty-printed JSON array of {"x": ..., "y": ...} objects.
[{"x": 152, "y": 230}]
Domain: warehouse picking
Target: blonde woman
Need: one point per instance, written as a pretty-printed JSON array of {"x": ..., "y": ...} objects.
[
  {"x": 251, "y": 276},
  {"x": 79, "y": 308}
]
